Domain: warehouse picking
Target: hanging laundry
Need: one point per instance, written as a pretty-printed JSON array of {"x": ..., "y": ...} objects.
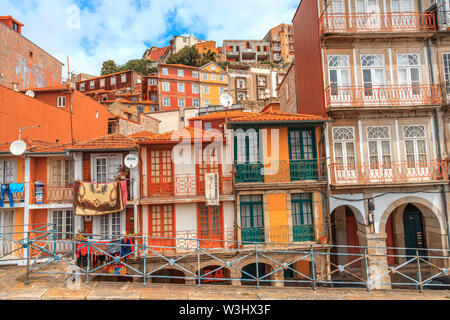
[
  {"x": 4, "y": 188},
  {"x": 94, "y": 199},
  {"x": 113, "y": 247},
  {"x": 127, "y": 247},
  {"x": 16, "y": 187},
  {"x": 123, "y": 185}
]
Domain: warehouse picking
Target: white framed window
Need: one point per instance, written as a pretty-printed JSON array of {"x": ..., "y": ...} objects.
[
  {"x": 112, "y": 80},
  {"x": 181, "y": 102},
  {"x": 140, "y": 109},
  {"x": 379, "y": 147},
  {"x": 338, "y": 72},
  {"x": 372, "y": 72},
  {"x": 7, "y": 222},
  {"x": 213, "y": 77},
  {"x": 61, "y": 101},
  {"x": 82, "y": 86},
  {"x": 344, "y": 146},
  {"x": 165, "y": 71},
  {"x": 102, "y": 82},
  {"x": 207, "y": 126},
  {"x": 415, "y": 145},
  {"x": 402, "y": 6},
  {"x": 213, "y": 67},
  {"x": 166, "y": 102},
  {"x": 7, "y": 171},
  {"x": 408, "y": 66},
  {"x": 195, "y": 74},
  {"x": 153, "y": 97},
  {"x": 64, "y": 222},
  {"x": 195, "y": 88},
  {"x": 60, "y": 173},
  {"x": 180, "y": 87},
  {"x": 166, "y": 86},
  {"x": 152, "y": 82},
  {"x": 123, "y": 78},
  {"x": 105, "y": 167},
  {"x": 221, "y": 90},
  {"x": 195, "y": 103},
  {"x": 221, "y": 77},
  {"x": 206, "y": 89},
  {"x": 205, "y": 103},
  {"x": 109, "y": 226},
  {"x": 205, "y": 76},
  {"x": 92, "y": 84},
  {"x": 180, "y": 73}
]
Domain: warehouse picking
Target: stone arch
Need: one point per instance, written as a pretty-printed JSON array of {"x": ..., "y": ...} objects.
[
  {"x": 226, "y": 272},
  {"x": 360, "y": 217},
  {"x": 170, "y": 275},
  {"x": 434, "y": 224}
]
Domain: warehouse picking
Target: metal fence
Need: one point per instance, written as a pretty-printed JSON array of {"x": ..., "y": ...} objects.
[{"x": 172, "y": 260}]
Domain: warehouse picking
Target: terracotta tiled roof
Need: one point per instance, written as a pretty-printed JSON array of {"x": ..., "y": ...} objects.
[
  {"x": 108, "y": 75},
  {"x": 224, "y": 114},
  {"x": 38, "y": 146},
  {"x": 177, "y": 65},
  {"x": 279, "y": 117},
  {"x": 187, "y": 133},
  {"x": 142, "y": 135},
  {"x": 53, "y": 88},
  {"x": 111, "y": 141}
]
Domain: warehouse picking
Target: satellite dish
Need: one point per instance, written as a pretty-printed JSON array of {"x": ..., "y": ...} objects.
[
  {"x": 18, "y": 147},
  {"x": 30, "y": 93},
  {"x": 131, "y": 161},
  {"x": 226, "y": 99}
]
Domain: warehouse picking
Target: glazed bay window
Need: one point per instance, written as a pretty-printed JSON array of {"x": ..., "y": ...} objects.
[
  {"x": 379, "y": 147},
  {"x": 106, "y": 168},
  {"x": 302, "y": 217},
  {"x": 252, "y": 218},
  {"x": 415, "y": 145}
]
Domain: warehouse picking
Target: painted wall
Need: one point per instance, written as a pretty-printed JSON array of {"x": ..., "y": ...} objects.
[{"x": 24, "y": 63}]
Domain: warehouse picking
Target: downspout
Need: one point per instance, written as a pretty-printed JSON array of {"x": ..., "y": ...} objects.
[{"x": 438, "y": 137}]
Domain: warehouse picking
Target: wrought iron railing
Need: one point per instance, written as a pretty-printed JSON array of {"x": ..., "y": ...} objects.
[
  {"x": 386, "y": 95},
  {"x": 279, "y": 234},
  {"x": 394, "y": 172},
  {"x": 377, "y": 22},
  {"x": 281, "y": 171}
]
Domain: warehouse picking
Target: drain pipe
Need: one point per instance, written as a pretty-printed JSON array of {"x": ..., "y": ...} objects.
[{"x": 438, "y": 137}]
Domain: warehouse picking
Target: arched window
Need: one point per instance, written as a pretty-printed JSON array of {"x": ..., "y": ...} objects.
[
  {"x": 339, "y": 72},
  {"x": 372, "y": 72},
  {"x": 379, "y": 147},
  {"x": 344, "y": 147},
  {"x": 415, "y": 145}
]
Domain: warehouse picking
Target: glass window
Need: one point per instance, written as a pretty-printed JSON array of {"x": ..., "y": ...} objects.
[
  {"x": 252, "y": 218},
  {"x": 63, "y": 220},
  {"x": 195, "y": 74},
  {"x": 205, "y": 76},
  {"x": 181, "y": 87},
  {"x": 195, "y": 88},
  {"x": 181, "y": 102},
  {"x": 344, "y": 147},
  {"x": 206, "y": 89},
  {"x": 123, "y": 78},
  {"x": 415, "y": 145},
  {"x": 379, "y": 147},
  {"x": 196, "y": 103},
  {"x": 180, "y": 73},
  {"x": 166, "y": 86},
  {"x": 213, "y": 76},
  {"x": 166, "y": 102},
  {"x": 92, "y": 84},
  {"x": 113, "y": 80},
  {"x": 102, "y": 83},
  {"x": 165, "y": 71}
]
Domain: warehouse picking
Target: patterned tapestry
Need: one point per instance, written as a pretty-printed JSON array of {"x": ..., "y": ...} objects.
[{"x": 95, "y": 199}]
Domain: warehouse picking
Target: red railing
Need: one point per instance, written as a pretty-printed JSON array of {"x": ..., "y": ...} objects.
[
  {"x": 395, "y": 172},
  {"x": 377, "y": 22},
  {"x": 343, "y": 96}
]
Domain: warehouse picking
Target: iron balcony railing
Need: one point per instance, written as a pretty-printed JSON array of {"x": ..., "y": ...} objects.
[
  {"x": 281, "y": 171},
  {"x": 394, "y": 172},
  {"x": 278, "y": 234},
  {"x": 51, "y": 194},
  {"x": 377, "y": 22},
  {"x": 386, "y": 95}
]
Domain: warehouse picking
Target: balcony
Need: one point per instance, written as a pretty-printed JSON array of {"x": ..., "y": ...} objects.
[
  {"x": 377, "y": 22},
  {"x": 280, "y": 171},
  {"x": 395, "y": 172},
  {"x": 51, "y": 194},
  {"x": 279, "y": 234},
  {"x": 360, "y": 96},
  {"x": 181, "y": 185}
]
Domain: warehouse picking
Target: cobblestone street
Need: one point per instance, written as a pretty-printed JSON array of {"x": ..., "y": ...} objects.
[{"x": 53, "y": 287}]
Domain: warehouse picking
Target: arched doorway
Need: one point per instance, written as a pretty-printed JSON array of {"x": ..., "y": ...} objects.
[
  {"x": 169, "y": 276},
  {"x": 303, "y": 273},
  {"x": 250, "y": 271},
  {"x": 344, "y": 228},
  {"x": 215, "y": 275},
  {"x": 413, "y": 230}
]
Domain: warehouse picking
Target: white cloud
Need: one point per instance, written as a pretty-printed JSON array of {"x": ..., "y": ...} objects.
[{"x": 117, "y": 30}]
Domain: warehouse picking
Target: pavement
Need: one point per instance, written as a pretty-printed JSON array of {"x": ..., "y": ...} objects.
[{"x": 54, "y": 287}]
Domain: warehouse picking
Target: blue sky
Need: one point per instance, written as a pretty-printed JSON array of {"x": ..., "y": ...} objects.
[{"x": 90, "y": 32}]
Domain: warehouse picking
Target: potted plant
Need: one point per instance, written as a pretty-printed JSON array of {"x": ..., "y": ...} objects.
[{"x": 122, "y": 172}]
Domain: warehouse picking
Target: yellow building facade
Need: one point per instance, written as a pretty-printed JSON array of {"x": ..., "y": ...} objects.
[{"x": 213, "y": 82}]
